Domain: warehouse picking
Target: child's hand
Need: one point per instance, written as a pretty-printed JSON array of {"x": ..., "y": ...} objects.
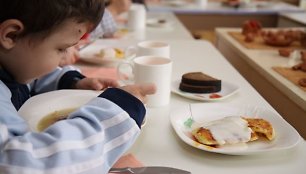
[
  {"x": 95, "y": 83},
  {"x": 140, "y": 91}
]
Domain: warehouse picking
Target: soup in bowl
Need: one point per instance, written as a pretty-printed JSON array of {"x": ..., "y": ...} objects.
[{"x": 53, "y": 117}]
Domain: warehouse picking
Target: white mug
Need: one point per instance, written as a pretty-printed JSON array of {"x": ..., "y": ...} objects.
[
  {"x": 146, "y": 48},
  {"x": 156, "y": 48},
  {"x": 151, "y": 69},
  {"x": 136, "y": 17}
]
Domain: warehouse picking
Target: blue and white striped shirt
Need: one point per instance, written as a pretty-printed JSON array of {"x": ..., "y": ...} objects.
[{"x": 90, "y": 141}]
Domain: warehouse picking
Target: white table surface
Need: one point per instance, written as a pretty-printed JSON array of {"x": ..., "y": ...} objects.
[
  {"x": 158, "y": 143},
  {"x": 174, "y": 31},
  {"x": 263, "y": 61},
  {"x": 218, "y": 8},
  {"x": 297, "y": 17}
]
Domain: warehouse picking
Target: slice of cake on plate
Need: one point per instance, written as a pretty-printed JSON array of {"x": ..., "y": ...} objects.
[{"x": 198, "y": 82}]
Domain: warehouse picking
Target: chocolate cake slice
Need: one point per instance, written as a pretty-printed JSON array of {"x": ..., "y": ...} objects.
[{"x": 198, "y": 82}]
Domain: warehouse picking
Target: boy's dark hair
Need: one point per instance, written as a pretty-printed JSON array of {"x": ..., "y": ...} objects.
[{"x": 43, "y": 16}]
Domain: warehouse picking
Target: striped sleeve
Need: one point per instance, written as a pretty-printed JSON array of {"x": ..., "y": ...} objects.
[
  {"x": 60, "y": 78},
  {"x": 90, "y": 141}
]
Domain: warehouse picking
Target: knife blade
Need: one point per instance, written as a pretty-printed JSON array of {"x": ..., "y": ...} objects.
[{"x": 149, "y": 170}]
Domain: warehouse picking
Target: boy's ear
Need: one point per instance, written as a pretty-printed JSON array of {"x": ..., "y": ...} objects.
[{"x": 9, "y": 31}]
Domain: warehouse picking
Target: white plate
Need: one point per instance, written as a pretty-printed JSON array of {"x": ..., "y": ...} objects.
[
  {"x": 154, "y": 22},
  {"x": 227, "y": 90},
  {"x": 286, "y": 136},
  {"x": 39, "y": 106},
  {"x": 89, "y": 54}
]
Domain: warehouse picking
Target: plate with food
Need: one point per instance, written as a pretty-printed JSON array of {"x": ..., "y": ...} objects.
[
  {"x": 105, "y": 51},
  {"x": 43, "y": 110},
  {"x": 159, "y": 23},
  {"x": 203, "y": 87},
  {"x": 233, "y": 129}
]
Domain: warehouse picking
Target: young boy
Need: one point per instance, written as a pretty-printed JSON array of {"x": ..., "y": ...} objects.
[{"x": 34, "y": 35}]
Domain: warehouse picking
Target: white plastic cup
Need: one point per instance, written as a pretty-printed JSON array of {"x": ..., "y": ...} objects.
[{"x": 136, "y": 17}]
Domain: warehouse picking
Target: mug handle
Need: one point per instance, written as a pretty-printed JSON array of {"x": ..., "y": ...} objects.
[
  {"x": 130, "y": 52},
  {"x": 123, "y": 77}
]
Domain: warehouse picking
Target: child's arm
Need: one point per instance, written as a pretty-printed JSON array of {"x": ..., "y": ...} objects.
[
  {"x": 90, "y": 140},
  {"x": 69, "y": 78},
  {"x": 60, "y": 78},
  {"x": 95, "y": 83}
]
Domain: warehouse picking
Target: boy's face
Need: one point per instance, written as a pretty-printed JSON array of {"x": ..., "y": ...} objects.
[{"x": 33, "y": 60}]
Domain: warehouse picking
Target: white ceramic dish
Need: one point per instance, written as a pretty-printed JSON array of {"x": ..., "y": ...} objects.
[
  {"x": 227, "y": 90},
  {"x": 286, "y": 136},
  {"x": 91, "y": 52},
  {"x": 159, "y": 23}
]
